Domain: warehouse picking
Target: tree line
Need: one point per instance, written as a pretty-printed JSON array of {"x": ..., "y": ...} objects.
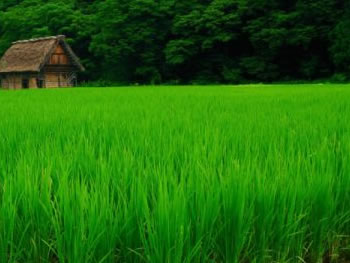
[{"x": 192, "y": 41}]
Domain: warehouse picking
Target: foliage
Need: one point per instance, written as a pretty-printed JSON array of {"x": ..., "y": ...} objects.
[
  {"x": 186, "y": 41},
  {"x": 148, "y": 41}
]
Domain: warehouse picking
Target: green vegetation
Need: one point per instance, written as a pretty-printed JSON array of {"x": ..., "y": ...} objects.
[
  {"x": 191, "y": 41},
  {"x": 165, "y": 174}
]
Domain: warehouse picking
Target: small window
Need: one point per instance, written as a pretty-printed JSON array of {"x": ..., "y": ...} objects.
[
  {"x": 25, "y": 83},
  {"x": 40, "y": 83}
]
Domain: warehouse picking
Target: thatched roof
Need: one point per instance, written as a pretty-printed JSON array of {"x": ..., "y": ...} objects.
[{"x": 31, "y": 55}]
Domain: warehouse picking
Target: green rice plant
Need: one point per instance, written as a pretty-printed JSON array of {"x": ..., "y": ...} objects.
[{"x": 253, "y": 173}]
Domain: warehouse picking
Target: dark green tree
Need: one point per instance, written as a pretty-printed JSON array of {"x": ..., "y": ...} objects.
[{"x": 190, "y": 41}]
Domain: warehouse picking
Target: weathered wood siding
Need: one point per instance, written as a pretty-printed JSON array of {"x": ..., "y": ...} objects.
[
  {"x": 56, "y": 80},
  {"x": 14, "y": 81},
  {"x": 59, "y": 57},
  {"x": 64, "y": 82},
  {"x": 11, "y": 82},
  {"x": 32, "y": 83},
  {"x": 51, "y": 80}
]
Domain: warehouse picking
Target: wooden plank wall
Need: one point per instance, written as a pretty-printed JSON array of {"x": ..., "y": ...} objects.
[
  {"x": 14, "y": 81},
  {"x": 59, "y": 57},
  {"x": 54, "y": 80}
]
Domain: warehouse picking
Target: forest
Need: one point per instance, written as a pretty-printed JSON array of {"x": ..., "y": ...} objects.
[{"x": 192, "y": 41}]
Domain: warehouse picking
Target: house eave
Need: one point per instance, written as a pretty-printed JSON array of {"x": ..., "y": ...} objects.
[{"x": 17, "y": 72}]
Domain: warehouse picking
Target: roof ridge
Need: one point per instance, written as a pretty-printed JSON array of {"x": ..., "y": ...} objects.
[{"x": 40, "y": 39}]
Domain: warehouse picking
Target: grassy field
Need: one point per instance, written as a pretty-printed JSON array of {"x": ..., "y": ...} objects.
[{"x": 175, "y": 174}]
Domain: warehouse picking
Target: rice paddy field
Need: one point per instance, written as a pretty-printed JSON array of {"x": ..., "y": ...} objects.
[{"x": 237, "y": 174}]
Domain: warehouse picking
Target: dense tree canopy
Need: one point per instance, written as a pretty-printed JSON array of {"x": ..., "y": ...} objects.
[{"x": 191, "y": 41}]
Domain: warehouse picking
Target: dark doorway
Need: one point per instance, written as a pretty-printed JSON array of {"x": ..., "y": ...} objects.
[
  {"x": 25, "y": 83},
  {"x": 40, "y": 83}
]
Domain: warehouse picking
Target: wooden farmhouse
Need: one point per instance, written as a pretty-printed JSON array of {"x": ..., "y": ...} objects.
[{"x": 39, "y": 63}]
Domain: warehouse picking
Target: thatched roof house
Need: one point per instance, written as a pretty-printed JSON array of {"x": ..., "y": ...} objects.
[{"x": 39, "y": 63}]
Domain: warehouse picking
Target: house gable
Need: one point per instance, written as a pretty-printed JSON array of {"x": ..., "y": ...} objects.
[{"x": 59, "y": 57}]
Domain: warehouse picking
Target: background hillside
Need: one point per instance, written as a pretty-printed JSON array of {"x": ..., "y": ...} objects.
[{"x": 191, "y": 41}]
